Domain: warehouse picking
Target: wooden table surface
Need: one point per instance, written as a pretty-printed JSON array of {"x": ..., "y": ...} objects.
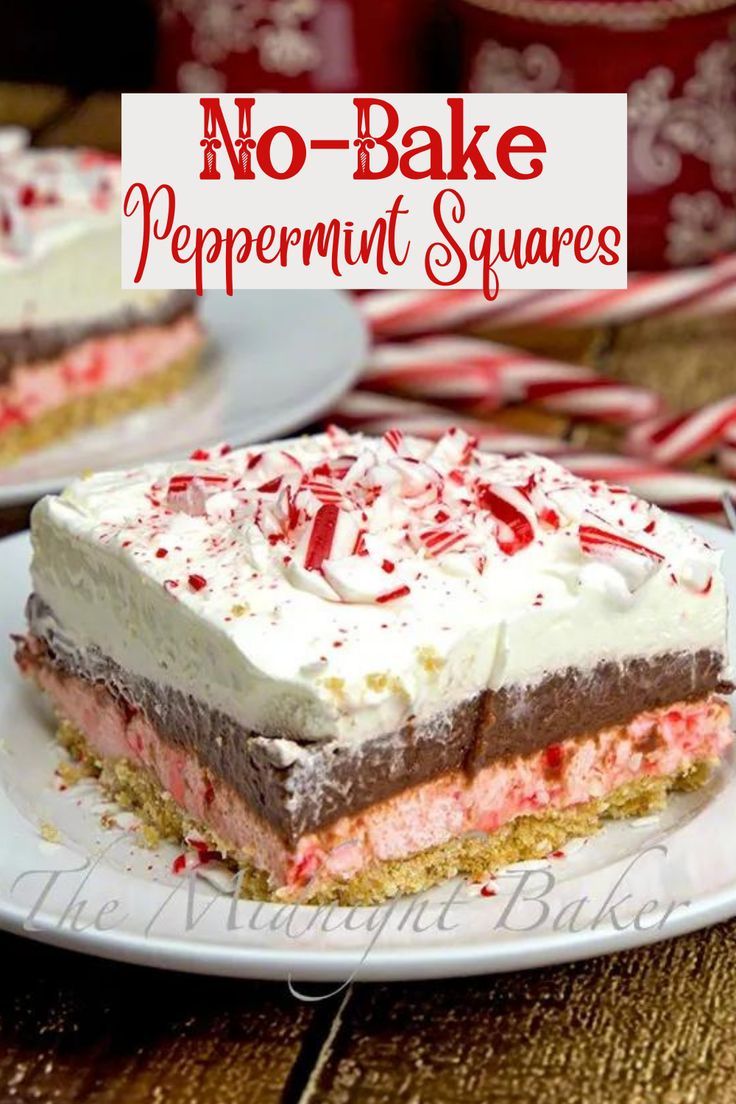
[
  {"x": 654, "y": 1026},
  {"x": 649, "y": 1026}
]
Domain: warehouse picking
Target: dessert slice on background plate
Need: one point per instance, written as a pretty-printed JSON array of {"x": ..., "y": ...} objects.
[
  {"x": 358, "y": 666},
  {"x": 75, "y": 349}
]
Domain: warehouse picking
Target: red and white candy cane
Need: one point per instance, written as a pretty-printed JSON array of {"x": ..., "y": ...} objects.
[
  {"x": 678, "y": 438},
  {"x": 691, "y": 292},
  {"x": 481, "y": 376},
  {"x": 687, "y": 492},
  {"x": 727, "y": 451}
]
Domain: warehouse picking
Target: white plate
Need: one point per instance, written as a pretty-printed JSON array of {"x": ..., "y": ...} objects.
[
  {"x": 53, "y": 891},
  {"x": 276, "y": 360}
]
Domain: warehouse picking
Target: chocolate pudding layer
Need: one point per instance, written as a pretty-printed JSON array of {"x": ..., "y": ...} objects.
[
  {"x": 301, "y": 787},
  {"x": 36, "y": 345}
]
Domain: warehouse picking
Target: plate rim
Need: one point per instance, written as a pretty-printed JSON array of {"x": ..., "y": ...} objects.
[{"x": 398, "y": 964}]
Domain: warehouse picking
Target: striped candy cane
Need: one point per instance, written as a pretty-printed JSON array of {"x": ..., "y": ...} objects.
[
  {"x": 678, "y": 438},
  {"x": 686, "y": 492},
  {"x": 482, "y": 376},
  {"x": 695, "y": 292},
  {"x": 727, "y": 451}
]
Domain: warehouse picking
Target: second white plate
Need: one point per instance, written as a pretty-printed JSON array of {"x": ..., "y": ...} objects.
[{"x": 276, "y": 360}]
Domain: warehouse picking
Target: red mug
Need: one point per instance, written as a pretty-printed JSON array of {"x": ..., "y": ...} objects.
[
  {"x": 293, "y": 45},
  {"x": 676, "y": 59}
]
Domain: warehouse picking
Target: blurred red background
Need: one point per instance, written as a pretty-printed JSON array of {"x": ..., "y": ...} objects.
[{"x": 676, "y": 59}]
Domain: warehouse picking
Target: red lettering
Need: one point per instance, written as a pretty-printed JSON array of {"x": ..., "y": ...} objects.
[
  {"x": 207, "y": 246},
  {"x": 298, "y": 152},
  {"x": 145, "y": 202},
  {"x": 367, "y": 140},
  {"x": 583, "y": 240},
  {"x": 508, "y": 146},
  {"x": 440, "y": 255},
  {"x": 232, "y": 254},
  {"x": 609, "y": 255},
  {"x": 239, "y": 150},
  {"x": 538, "y": 248},
  {"x": 481, "y": 247},
  {"x": 459, "y": 153},
  {"x": 432, "y": 170}
]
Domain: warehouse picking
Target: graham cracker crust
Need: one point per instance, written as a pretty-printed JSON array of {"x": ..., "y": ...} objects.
[
  {"x": 474, "y": 856},
  {"x": 97, "y": 409}
]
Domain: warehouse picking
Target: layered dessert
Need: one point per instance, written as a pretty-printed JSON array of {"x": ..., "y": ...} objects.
[
  {"x": 75, "y": 349},
  {"x": 356, "y": 666}
]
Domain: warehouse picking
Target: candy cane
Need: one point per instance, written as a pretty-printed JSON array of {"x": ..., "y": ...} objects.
[
  {"x": 395, "y": 313},
  {"x": 673, "y": 439},
  {"x": 687, "y": 492},
  {"x": 695, "y": 292},
  {"x": 727, "y": 451},
  {"x": 483, "y": 376}
]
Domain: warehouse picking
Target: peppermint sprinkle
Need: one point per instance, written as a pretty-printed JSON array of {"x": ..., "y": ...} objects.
[
  {"x": 320, "y": 540},
  {"x": 400, "y": 592},
  {"x": 352, "y": 519},
  {"x": 593, "y": 539}
]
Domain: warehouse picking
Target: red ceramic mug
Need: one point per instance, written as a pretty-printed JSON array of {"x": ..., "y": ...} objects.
[
  {"x": 293, "y": 45},
  {"x": 676, "y": 59}
]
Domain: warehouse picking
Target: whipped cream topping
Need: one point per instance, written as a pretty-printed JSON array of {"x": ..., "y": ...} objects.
[
  {"x": 336, "y": 586},
  {"x": 60, "y": 236},
  {"x": 48, "y": 196}
]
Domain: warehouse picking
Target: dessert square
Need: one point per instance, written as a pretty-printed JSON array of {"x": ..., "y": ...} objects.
[
  {"x": 75, "y": 349},
  {"x": 357, "y": 666}
]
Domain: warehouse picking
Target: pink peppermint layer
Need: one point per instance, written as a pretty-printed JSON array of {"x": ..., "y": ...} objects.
[
  {"x": 75, "y": 348},
  {"x": 658, "y": 743},
  {"x": 104, "y": 364}
]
